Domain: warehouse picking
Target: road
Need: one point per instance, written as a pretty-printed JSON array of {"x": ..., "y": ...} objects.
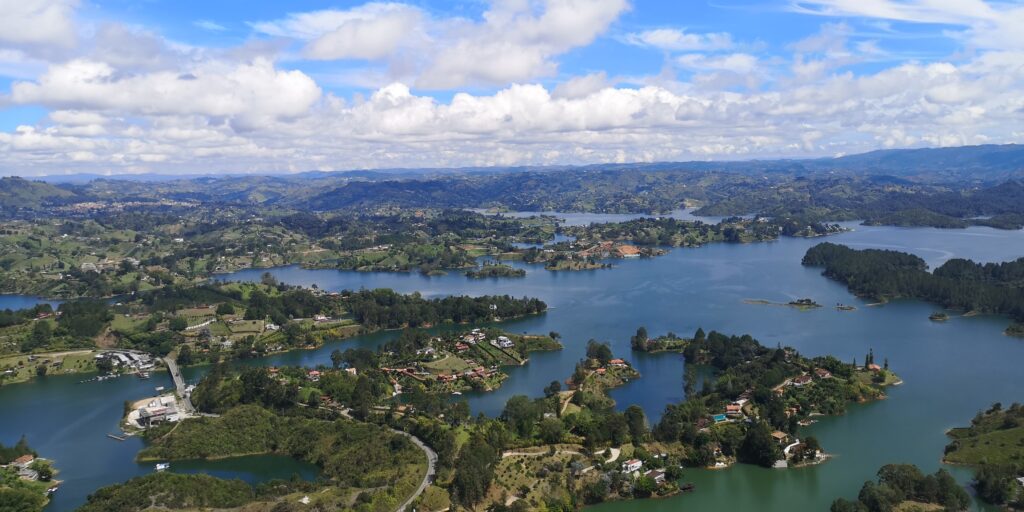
[
  {"x": 431, "y": 469},
  {"x": 179, "y": 384}
]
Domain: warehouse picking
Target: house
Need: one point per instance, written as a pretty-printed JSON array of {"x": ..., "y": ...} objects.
[
  {"x": 733, "y": 410},
  {"x": 272, "y": 327},
  {"x": 1021, "y": 481},
  {"x": 802, "y": 380},
  {"x": 446, "y": 378},
  {"x": 461, "y": 347},
  {"x": 426, "y": 351},
  {"x": 601, "y": 371},
  {"x": 352, "y": 371},
  {"x": 617, "y": 362},
  {"x": 822, "y": 373},
  {"x": 23, "y": 462},
  {"x": 780, "y": 436},
  {"x": 874, "y": 367},
  {"x": 632, "y": 465},
  {"x": 314, "y": 375},
  {"x": 657, "y": 475},
  {"x": 503, "y": 342},
  {"x": 320, "y": 318}
]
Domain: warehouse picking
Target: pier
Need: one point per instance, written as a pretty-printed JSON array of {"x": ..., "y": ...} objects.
[{"x": 119, "y": 438}]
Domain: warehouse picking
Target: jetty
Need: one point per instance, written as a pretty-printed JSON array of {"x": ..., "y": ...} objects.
[{"x": 117, "y": 437}]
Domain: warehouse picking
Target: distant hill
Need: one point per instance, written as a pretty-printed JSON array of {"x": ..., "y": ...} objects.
[
  {"x": 987, "y": 163},
  {"x": 19, "y": 193}
]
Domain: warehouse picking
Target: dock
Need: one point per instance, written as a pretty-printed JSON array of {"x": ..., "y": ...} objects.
[{"x": 119, "y": 438}]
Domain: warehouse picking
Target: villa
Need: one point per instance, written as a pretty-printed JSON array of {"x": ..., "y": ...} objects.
[{"x": 632, "y": 465}]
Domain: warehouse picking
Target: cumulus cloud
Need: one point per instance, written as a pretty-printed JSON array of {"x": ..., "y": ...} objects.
[
  {"x": 515, "y": 40},
  {"x": 37, "y": 24},
  {"x": 584, "y": 121},
  {"x": 246, "y": 92}
]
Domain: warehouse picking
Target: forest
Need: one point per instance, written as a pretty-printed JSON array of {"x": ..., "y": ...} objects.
[
  {"x": 901, "y": 485},
  {"x": 993, "y": 288}
]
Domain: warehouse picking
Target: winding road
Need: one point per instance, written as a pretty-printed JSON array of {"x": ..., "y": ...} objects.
[{"x": 431, "y": 469}]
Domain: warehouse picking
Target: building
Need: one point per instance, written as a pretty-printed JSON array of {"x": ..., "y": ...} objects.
[
  {"x": 503, "y": 342},
  {"x": 632, "y": 465},
  {"x": 733, "y": 410},
  {"x": 617, "y": 362},
  {"x": 627, "y": 251},
  {"x": 822, "y": 373},
  {"x": 352, "y": 371},
  {"x": 780, "y": 436},
  {"x": 657, "y": 475},
  {"x": 874, "y": 367},
  {"x": 802, "y": 380},
  {"x": 314, "y": 375}
]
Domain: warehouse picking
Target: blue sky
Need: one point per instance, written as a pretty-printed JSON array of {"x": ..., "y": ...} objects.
[{"x": 188, "y": 86}]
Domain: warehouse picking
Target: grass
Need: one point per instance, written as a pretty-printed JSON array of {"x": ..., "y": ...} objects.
[
  {"x": 996, "y": 447},
  {"x": 450, "y": 364},
  {"x": 434, "y": 498},
  {"x": 80, "y": 361}
]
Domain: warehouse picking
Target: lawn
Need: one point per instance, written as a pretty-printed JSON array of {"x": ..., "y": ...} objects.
[
  {"x": 450, "y": 364},
  {"x": 995, "y": 447}
]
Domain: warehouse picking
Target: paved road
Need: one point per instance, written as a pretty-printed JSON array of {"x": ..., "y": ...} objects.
[
  {"x": 179, "y": 383},
  {"x": 431, "y": 469}
]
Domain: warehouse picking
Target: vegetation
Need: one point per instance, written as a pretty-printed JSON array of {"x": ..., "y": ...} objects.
[
  {"x": 899, "y": 485},
  {"x": 20, "y": 494},
  {"x": 994, "y": 445},
  {"x": 495, "y": 270},
  {"x": 170, "y": 491},
  {"x": 957, "y": 284},
  {"x": 351, "y": 455}
]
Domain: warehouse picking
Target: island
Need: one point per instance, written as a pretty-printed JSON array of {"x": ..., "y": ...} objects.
[
  {"x": 26, "y": 480},
  {"x": 904, "y": 487},
  {"x": 993, "y": 445},
  {"x": 495, "y": 270},
  {"x": 206, "y": 323},
  {"x": 881, "y": 275}
]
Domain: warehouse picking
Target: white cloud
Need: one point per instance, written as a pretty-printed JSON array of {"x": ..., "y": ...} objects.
[
  {"x": 516, "y": 40},
  {"x": 735, "y": 62},
  {"x": 670, "y": 39},
  {"x": 584, "y": 120},
  {"x": 247, "y": 92},
  {"x": 37, "y": 24},
  {"x": 989, "y": 25},
  {"x": 210, "y": 25}
]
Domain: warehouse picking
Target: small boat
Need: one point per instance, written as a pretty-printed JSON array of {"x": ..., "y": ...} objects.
[
  {"x": 457, "y": 393},
  {"x": 159, "y": 389},
  {"x": 143, "y": 375},
  {"x": 163, "y": 466}
]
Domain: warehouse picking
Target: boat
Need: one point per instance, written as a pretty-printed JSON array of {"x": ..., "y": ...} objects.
[
  {"x": 142, "y": 375},
  {"x": 163, "y": 466},
  {"x": 457, "y": 393}
]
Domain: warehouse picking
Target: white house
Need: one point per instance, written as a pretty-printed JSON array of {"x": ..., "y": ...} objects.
[{"x": 632, "y": 465}]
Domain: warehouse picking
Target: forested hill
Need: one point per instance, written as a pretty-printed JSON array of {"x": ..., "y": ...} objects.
[{"x": 996, "y": 288}]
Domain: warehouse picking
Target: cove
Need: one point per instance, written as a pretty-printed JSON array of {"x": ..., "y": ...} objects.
[{"x": 952, "y": 369}]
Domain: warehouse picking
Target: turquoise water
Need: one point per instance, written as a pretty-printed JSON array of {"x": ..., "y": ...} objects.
[{"x": 951, "y": 369}]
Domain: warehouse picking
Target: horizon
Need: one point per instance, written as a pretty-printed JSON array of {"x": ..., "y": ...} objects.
[
  {"x": 457, "y": 170},
  {"x": 187, "y": 88}
]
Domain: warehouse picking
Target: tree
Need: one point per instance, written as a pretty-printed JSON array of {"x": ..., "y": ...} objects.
[
  {"x": 521, "y": 414},
  {"x": 759, "y": 447},
  {"x": 636, "y": 420},
  {"x": 639, "y": 340},
  {"x": 178, "y": 324},
  {"x": 44, "y": 469},
  {"x": 644, "y": 487},
  {"x": 553, "y": 389},
  {"x": 41, "y": 370},
  {"x": 551, "y": 430},
  {"x": 104, "y": 365},
  {"x": 337, "y": 358},
  {"x": 689, "y": 380},
  {"x": 602, "y": 352},
  {"x": 184, "y": 355},
  {"x": 225, "y": 309}
]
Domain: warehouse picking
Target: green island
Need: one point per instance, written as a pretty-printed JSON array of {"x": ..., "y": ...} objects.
[
  {"x": 881, "y": 275},
  {"x": 26, "y": 480},
  {"x": 489, "y": 270},
  {"x": 570, "y": 446},
  {"x": 210, "y": 322},
  {"x": 904, "y": 488},
  {"x": 801, "y": 304},
  {"x": 993, "y": 445}
]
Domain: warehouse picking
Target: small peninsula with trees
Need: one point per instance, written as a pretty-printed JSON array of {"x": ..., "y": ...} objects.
[{"x": 881, "y": 275}]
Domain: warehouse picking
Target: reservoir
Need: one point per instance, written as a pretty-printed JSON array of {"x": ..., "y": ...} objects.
[{"x": 951, "y": 370}]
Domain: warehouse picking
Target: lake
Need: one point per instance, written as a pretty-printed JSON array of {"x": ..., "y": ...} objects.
[{"x": 951, "y": 370}]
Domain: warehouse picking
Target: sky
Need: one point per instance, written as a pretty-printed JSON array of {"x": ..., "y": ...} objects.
[{"x": 184, "y": 86}]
